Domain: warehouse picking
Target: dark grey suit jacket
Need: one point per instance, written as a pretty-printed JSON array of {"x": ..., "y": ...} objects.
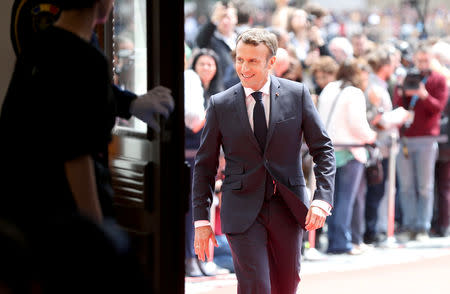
[{"x": 292, "y": 115}]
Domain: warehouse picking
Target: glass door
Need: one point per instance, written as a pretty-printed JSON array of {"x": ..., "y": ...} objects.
[
  {"x": 129, "y": 26},
  {"x": 144, "y": 40}
]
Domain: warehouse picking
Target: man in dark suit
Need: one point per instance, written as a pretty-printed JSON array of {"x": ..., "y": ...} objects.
[{"x": 265, "y": 204}]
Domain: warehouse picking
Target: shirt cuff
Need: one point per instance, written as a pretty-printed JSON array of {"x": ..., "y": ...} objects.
[
  {"x": 202, "y": 223},
  {"x": 325, "y": 206}
]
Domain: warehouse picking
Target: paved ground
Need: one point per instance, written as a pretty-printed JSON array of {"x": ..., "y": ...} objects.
[
  {"x": 409, "y": 268},
  {"x": 429, "y": 275}
]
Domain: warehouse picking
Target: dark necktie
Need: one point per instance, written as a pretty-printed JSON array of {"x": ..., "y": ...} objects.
[
  {"x": 259, "y": 120},
  {"x": 260, "y": 131}
]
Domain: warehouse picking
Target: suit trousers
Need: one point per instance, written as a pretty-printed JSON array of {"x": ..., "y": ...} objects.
[
  {"x": 267, "y": 256},
  {"x": 375, "y": 195}
]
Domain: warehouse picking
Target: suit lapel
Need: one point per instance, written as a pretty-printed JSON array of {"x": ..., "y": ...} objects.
[
  {"x": 241, "y": 109},
  {"x": 275, "y": 93}
]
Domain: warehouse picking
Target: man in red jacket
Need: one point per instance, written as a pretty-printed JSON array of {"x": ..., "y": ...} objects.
[{"x": 416, "y": 160}]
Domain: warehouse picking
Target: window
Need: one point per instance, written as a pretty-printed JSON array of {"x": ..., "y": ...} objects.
[{"x": 129, "y": 24}]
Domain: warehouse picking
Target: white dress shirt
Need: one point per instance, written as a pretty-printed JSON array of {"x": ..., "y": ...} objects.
[{"x": 250, "y": 102}]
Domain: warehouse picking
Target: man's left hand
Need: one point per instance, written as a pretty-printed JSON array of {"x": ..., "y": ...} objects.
[{"x": 315, "y": 219}]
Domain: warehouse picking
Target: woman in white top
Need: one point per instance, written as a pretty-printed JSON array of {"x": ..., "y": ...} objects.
[{"x": 342, "y": 107}]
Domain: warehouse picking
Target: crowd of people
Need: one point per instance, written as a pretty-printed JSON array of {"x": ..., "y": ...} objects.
[{"x": 371, "y": 91}]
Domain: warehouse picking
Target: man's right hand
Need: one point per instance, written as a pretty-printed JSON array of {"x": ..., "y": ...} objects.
[{"x": 201, "y": 241}]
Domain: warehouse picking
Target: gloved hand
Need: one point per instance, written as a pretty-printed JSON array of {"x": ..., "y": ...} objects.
[{"x": 156, "y": 101}]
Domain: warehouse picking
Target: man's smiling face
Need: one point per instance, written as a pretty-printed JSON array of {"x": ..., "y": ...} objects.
[{"x": 253, "y": 64}]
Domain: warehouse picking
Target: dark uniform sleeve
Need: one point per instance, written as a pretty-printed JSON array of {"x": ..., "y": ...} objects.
[
  {"x": 123, "y": 100},
  {"x": 205, "y": 34}
]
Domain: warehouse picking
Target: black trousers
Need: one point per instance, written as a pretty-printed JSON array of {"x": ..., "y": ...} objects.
[
  {"x": 374, "y": 197},
  {"x": 267, "y": 256}
]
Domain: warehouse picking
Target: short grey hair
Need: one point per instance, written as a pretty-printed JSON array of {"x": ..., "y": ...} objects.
[
  {"x": 379, "y": 57},
  {"x": 256, "y": 36},
  {"x": 343, "y": 44},
  {"x": 442, "y": 51}
]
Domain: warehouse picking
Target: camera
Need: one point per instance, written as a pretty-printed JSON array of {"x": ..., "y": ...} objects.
[{"x": 412, "y": 79}]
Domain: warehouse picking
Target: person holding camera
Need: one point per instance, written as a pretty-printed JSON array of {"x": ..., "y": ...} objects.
[
  {"x": 306, "y": 37},
  {"x": 219, "y": 34},
  {"x": 317, "y": 17},
  {"x": 424, "y": 93}
]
